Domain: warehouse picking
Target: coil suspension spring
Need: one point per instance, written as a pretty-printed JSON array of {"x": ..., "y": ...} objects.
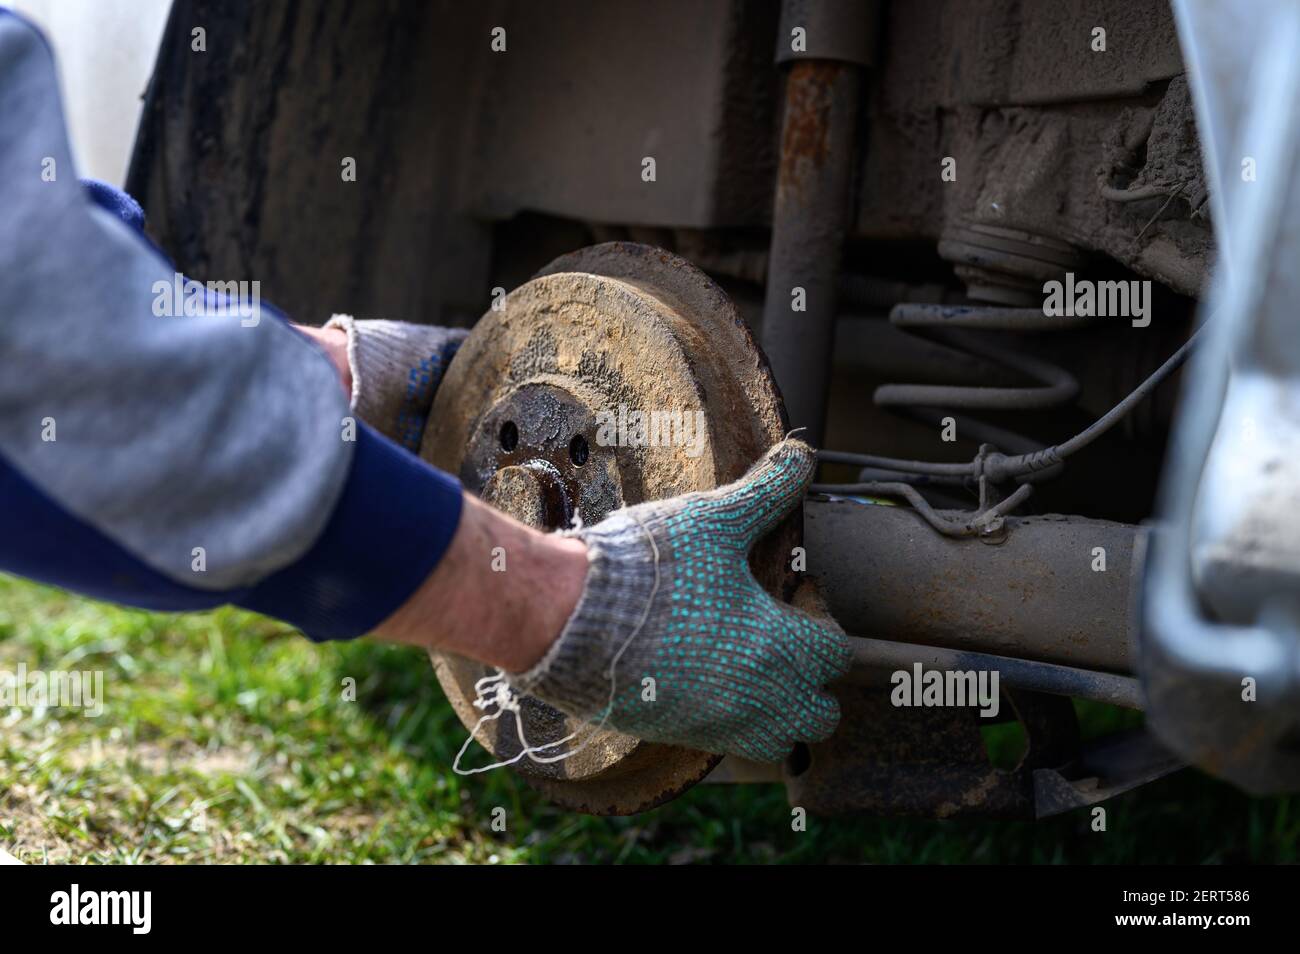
[{"x": 958, "y": 327}]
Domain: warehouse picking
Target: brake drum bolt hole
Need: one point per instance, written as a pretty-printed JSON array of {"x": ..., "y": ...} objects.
[
  {"x": 578, "y": 450},
  {"x": 509, "y": 436}
]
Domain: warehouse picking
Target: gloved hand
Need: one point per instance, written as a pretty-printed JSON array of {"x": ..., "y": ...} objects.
[
  {"x": 396, "y": 369},
  {"x": 669, "y": 597}
]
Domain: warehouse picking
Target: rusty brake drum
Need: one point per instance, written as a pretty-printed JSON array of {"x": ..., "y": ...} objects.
[{"x": 538, "y": 414}]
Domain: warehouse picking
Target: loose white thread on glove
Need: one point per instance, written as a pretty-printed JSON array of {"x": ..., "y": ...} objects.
[{"x": 495, "y": 691}]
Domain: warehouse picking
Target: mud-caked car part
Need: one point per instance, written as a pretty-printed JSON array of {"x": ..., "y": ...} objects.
[{"x": 619, "y": 374}]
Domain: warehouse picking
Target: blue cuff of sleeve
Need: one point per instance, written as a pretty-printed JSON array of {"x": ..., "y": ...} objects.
[
  {"x": 392, "y": 524},
  {"x": 115, "y": 201}
]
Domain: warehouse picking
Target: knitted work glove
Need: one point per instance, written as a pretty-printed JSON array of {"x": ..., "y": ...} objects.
[
  {"x": 396, "y": 368},
  {"x": 669, "y": 596}
]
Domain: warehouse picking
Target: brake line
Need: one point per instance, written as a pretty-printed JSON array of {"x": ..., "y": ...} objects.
[{"x": 1000, "y": 467}]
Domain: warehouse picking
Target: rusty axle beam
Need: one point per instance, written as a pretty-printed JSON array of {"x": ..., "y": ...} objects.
[{"x": 1052, "y": 589}]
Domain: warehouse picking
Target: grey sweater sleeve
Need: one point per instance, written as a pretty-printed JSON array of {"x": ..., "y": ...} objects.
[
  {"x": 214, "y": 450},
  {"x": 160, "y": 424}
]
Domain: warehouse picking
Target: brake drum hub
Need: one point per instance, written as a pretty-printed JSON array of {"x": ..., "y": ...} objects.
[{"x": 580, "y": 393}]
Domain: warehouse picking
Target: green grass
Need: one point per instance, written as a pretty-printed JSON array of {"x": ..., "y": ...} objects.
[{"x": 226, "y": 737}]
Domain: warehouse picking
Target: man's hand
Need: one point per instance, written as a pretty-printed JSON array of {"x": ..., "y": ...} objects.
[
  {"x": 669, "y": 601},
  {"x": 661, "y": 591},
  {"x": 334, "y": 342},
  {"x": 390, "y": 369}
]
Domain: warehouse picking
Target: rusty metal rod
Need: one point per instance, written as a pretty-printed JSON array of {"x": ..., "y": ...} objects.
[
  {"x": 809, "y": 219},
  {"x": 1016, "y": 673}
]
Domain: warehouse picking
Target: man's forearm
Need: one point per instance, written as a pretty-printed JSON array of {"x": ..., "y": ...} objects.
[{"x": 500, "y": 595}]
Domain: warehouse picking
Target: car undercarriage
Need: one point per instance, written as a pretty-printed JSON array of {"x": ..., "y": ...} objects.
[{"x": 964, "y": 246}]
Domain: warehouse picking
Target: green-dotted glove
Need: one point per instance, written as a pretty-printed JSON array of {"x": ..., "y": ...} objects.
[
  {"x": 396, "y": 369},
  {"x": 669, "y": 596}
]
